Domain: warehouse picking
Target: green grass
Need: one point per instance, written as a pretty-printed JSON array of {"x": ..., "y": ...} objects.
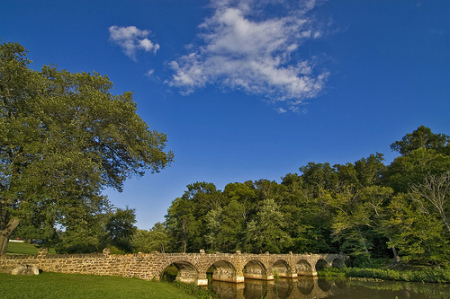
[
  {"x": 54, "y": 285},
  {"x": 24, "y": 248}
]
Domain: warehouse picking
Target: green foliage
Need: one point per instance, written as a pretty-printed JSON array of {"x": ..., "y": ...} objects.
[
  {"x": 415, "y": 167},
  {"x": 266, "y": 232},
  {"x": 119, "y": 229},
  {"x": 156, "y": 239},
  {"x": 63, "y": 137},
  {"x": 421, "y": 138},
  {"x": 420, "y": 237}
]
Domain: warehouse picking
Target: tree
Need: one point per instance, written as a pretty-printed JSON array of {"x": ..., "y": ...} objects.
[
  {"x": 267, "y": 231},
  {"x": 358, "y": 222},
  {"x": 319, "y": 177},
  {"x": 433, "y": 196},
  {"x": 420, "y": 237},
  {"x": 155, "y": 239},
  {"x": 421, "y": 138},
  {"x": 415, "y": 167},
  {"x": 63, "y": 137},
  {"x": 120, "y": 228}
]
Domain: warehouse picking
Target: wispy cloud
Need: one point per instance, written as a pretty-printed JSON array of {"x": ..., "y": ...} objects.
[
  {"x": 246, "y": 46},
  {"x": 132, "y": 39}
]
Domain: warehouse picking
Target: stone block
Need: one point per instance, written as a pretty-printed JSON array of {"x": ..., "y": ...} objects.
[{"x": 25, "y": 270}]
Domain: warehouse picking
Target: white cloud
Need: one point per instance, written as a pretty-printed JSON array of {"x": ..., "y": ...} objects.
[
  {"x": 132, "y": 39},
  {"x": 244, "y": 47}
]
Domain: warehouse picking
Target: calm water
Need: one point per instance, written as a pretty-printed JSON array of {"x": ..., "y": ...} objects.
[{"x": 309, "y": 288}]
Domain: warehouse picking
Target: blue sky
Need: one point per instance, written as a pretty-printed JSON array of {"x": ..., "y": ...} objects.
[{"x": 250, "y": 89}]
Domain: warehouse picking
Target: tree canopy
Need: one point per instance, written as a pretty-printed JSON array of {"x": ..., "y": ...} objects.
[{"x": 63, "y": 138}]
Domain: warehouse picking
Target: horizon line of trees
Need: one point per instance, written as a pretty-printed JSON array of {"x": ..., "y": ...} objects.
[{"x": 365, "y": 209}]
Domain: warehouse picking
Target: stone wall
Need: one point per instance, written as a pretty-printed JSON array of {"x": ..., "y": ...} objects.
[{"x": 131, "y": 265}]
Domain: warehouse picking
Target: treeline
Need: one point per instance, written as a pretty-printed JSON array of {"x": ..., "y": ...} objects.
[
  {"x": 365, "y": 209},
  {"x": 90, "y": 232}
]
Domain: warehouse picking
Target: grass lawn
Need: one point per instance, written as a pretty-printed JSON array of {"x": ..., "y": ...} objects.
[
  {"x": 24, "y": 248},
  {"x": 55, "y": 285}
]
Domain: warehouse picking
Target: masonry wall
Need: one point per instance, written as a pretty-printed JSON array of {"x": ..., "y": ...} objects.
[{"x": 131, "y": 265}]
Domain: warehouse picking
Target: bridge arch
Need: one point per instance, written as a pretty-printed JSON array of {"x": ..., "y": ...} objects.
[
  {"x": 321, "y": 264},
  {"x": 304, "y": 268},
  {"x": 186, "y": 271},
  {"x": 255, "y": 269},
  {"x": 281, "y": 268},
  {"x": 223, "y": 270}
]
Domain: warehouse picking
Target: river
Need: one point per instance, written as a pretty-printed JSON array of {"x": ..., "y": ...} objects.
[{"x": 310, "y": 288}]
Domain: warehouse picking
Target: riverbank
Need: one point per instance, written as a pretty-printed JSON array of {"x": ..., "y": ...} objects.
[
  {"x": 56, "y": 285},
  {"x": 434, "y": 275}
]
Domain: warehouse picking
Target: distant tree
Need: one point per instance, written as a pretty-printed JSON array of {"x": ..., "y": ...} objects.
[
  {"x": 414, "y": 167},
  {"x": 119, "y": 229},
  {"x": 358, "y": 222},
  {"x": 433, "y": 197},
  {"x": 266, "y": 232},
  {"x": 63, "y": 137},
  {"x": 421, "y": 138},
  {"x": 420, "y": 237},
  {"x": 319, "y": 177},
  {"x": 183, "y": 228},
  {"x": 155, "y": 239}
]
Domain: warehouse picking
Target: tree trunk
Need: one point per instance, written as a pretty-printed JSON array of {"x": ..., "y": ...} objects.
[
  {"x": 394, "y": 251},
  {"x": 363, "y": 242},
  {"x": 5, "y": 233}
]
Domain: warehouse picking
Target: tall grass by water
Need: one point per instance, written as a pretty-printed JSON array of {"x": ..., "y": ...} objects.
[{"x": 437, "y": 275}]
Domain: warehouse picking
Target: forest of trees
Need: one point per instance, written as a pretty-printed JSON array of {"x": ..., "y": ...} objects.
[{"x": 365, "y": 209}]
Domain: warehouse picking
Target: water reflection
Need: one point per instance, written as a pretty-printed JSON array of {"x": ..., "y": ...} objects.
[{"x": 307, "y": 287}]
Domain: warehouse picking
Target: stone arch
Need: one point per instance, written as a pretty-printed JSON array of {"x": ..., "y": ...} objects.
[
  {"x": 187, "y": 272},
  {"x": 281, "y": 269},
  {"x": 255, "y": 269},
  {"x": 303, "y": 268},
  {"x": 321, "y": 264},
  {"x": 223, "y": 270},
  {"x": 337, "y": 263}
]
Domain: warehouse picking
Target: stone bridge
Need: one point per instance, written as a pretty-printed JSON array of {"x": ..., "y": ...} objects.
[{"x": 192, "y": 267}]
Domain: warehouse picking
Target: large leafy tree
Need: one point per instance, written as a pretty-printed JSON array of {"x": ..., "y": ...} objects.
[{"x": 63, "y": 137}]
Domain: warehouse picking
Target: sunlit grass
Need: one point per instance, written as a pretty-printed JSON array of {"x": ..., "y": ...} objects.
[
  {"x": 24, "y": 248},
  {"x": 54, "y": 285}
]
